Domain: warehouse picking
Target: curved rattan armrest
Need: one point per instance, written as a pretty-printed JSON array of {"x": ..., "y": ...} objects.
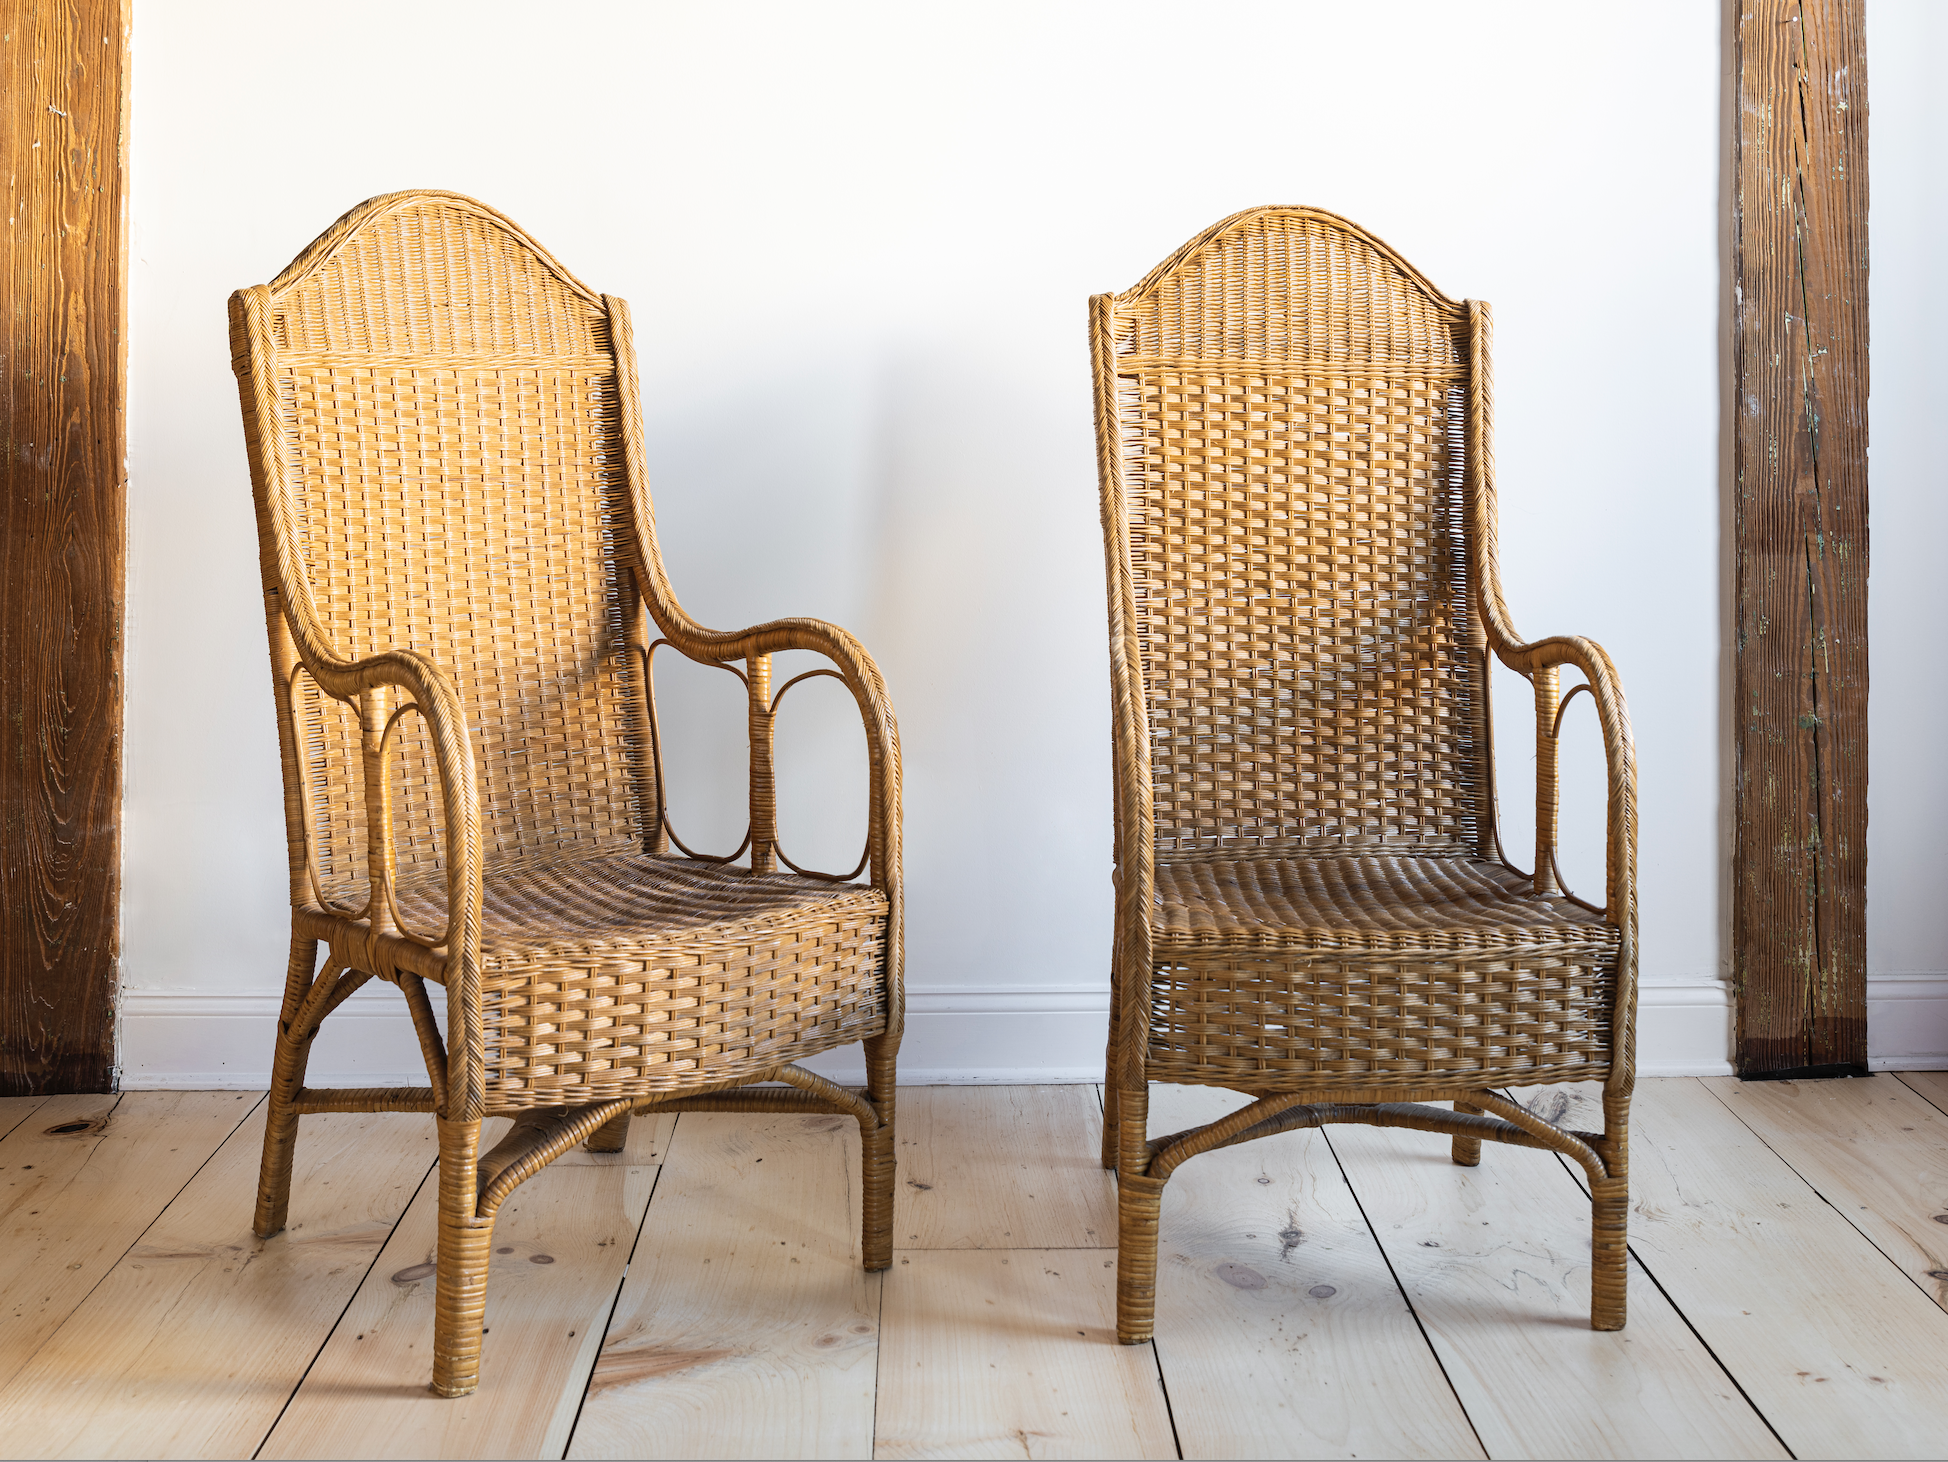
[
  {"x": 858, "y": 669},
  {"x": 1605, "y": 688},
  {"x": 432, "y": 691},
  {"x": 1619, "y": 753}
]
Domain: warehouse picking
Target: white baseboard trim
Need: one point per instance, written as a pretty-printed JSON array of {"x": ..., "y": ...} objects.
[
  {"x": 1684, "y": 1028},
  {"x": 1907, "y": 1022},
  {"x": 176, "y": 1040}
]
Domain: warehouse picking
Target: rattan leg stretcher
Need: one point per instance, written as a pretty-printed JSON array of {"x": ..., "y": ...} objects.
[
  {"x": 1313, "y": 906},
  {"x": 461, "y": 576}
]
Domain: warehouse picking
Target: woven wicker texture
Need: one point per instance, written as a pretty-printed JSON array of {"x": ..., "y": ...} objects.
[
  {"x": 1312, "y": 902},
  {"x": 460, "y": 575}
]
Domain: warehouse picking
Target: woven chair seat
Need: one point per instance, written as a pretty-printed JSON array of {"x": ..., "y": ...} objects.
[
  {"x": 625, "y": 902},
  {"x": 1377, "y": 903}
]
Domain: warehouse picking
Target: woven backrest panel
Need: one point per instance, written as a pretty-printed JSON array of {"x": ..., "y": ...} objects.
[
  {"x": 447, "y": 403},
  {"x": 1289, "y": 407}
]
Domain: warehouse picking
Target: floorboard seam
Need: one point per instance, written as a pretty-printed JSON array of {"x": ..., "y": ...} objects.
[
  {"x": 1902, "y": 1077},
  {"x": 879, "y": 1346},
  {"x": 1406, "y": 1298},
  {"x": 588, "y": 1381},
  {"x": 37, "y": 1104},
  {"x": 48, "y": 1339},
  {"x": 1575, "y": 1175},
  {"x": 1844, "y": 1215},
  {"x": 351, "y": 1298}
]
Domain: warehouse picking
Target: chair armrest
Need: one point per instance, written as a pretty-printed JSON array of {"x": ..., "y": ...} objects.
[
  {"x": 1539, "y": 660},
  {"x": 858, "y": 669},
  {"x": 432, "y": 693}
]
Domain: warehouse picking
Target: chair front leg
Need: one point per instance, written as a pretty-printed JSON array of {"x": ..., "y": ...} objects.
[
  {"x": 879, "y": 1156},
  {"x": 1610, "y": 1220},
  {"x": 466, "y": 1245},
  {"x": 1139, "y": 1201},
  {"x": 288, "y": 1063}
]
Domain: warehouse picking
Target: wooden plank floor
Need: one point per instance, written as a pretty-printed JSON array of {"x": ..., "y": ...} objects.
[{"x": 1347, "y": 1293}]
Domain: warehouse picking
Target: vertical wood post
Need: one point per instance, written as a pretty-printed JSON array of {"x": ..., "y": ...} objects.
[
  {"x": 63, "y": 69},
  {"x": 1799, "y": 332}
]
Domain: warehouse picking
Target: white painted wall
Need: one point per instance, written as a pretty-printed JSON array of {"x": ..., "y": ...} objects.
[
  {"x": 1907, "y": 856},
  {"x": 858, "y": 240}
]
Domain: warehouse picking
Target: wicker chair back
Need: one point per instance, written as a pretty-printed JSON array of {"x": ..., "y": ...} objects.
[
  {"x": 1290, "y": 403},
  {"x": 453, "y": 473}
]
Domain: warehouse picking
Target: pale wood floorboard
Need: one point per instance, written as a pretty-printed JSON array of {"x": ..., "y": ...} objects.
[
  {"x": 1002, "y": 1167},
  {"x": 1843, "y": 1355},
  {"x": 746, "y": 1327},
  {"x": 1496, "y": 1260},
  {"x": 1875, "y": 1149},
  {"x": 560, "y": 1246},
  {"x": 1280, "y": 1330},
  {"x": 15, "y": 1110},
  {"x": 990, "y": 1353},
  {"x": 73, "y": 1202},
  {"x": 1787, "y": 1223},
  {"x": 201, "y": 1308},
  {"x": 1931, "y": 1084}
]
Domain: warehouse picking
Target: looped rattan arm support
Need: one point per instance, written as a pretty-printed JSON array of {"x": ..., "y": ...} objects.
[
  {"x": 1540, "y": 661},
  {"x": 437, "y": 702},
  {"x": 865, "y": 853}
]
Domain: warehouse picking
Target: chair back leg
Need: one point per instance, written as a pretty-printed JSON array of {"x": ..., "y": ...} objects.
[
  {"x": 466, "y": 1246},
  {"x": 1139, "y": 1201},
  {"x": 612, "y": 1136},
  {"x": 287, "y": 1080},
  {"x": 1467, "y": 1150}
]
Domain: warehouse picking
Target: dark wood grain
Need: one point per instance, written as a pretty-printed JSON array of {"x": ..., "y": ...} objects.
[
  {"x": 62, "y": 87},
  {"x": 1799, "y": 329}
]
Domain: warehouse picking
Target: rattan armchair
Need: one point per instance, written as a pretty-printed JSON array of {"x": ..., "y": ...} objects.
[
  {"x": 1312, "y": 902},
  {"x": 460, "y": 575}
]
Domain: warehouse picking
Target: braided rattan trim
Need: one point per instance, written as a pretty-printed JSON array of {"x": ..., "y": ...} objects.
[{"x": 1378, "y": 1021}]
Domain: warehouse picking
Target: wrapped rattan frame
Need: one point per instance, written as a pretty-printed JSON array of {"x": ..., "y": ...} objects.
[
  {"x": 430, "y": 315},
  {"x": 1242, "y": 335}
]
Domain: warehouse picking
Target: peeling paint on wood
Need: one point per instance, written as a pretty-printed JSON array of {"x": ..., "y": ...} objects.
[{"x": 1799, "y": 332}]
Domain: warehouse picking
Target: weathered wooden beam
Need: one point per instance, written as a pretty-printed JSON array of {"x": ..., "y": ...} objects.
[
  {"x": 1799, "y": 332},
  {"x": 63, "y": 91}
]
